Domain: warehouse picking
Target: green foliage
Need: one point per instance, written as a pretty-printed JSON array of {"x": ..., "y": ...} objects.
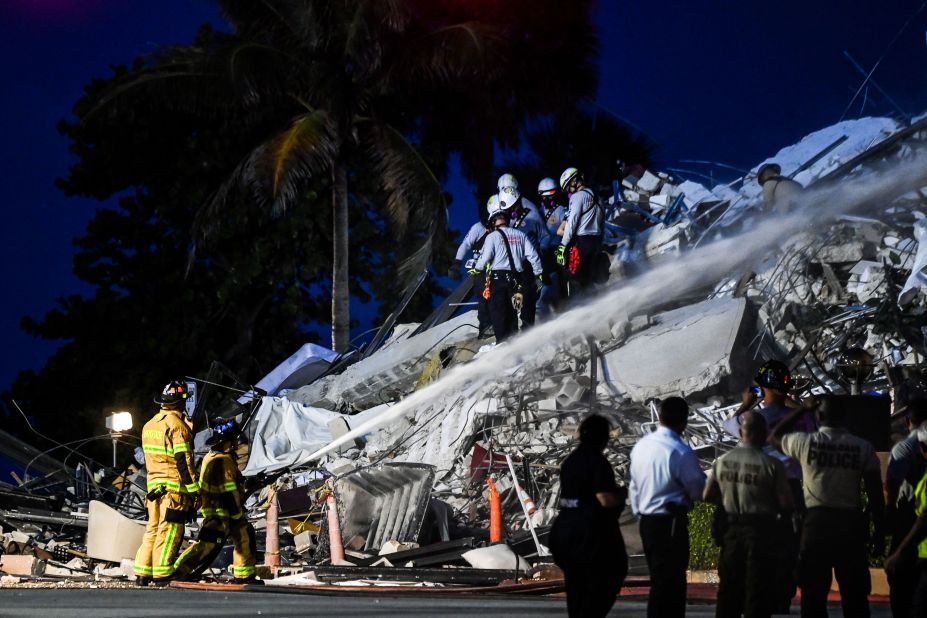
[{"x": 703, "y": 553}]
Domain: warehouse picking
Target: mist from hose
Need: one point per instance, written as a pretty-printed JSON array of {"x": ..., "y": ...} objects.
[{"x": 674, "y": 279}]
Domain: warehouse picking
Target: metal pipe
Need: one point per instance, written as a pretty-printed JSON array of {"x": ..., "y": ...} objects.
[{"x": 524, "y": 507}]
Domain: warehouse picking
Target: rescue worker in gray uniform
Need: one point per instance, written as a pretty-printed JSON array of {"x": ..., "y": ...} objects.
[
  {"x": 526, "y": 217},
  {"x": 836, "y": 529},
  {"x": 505, "y": 252},
  {"x": 753, "y": 489},
  {"x": 583, "y": 233},
  {"x": 469, "y": 250}
]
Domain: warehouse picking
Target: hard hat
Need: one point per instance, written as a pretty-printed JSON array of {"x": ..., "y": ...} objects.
[
  {"x": 774, "y": 375},
  {"x": 547, "y": 187},
  {"x": 767, "y": 171},
  {"x": 225, "y": 431},
  {"x": 173, "y": 394},
  {"x": 568, "y": 175},
  {"x": 507, "y": 180},
  {"x": 492, "y": 204}
]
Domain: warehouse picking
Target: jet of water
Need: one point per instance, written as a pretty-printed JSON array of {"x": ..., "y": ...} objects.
[{"x": 671, "y": 280}]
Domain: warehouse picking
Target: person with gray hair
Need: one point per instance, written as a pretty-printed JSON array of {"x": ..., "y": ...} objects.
[{"x": 753, "y": 489}]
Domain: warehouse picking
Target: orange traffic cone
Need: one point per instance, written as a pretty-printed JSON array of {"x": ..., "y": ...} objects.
[{"x": 495, "y": 513}]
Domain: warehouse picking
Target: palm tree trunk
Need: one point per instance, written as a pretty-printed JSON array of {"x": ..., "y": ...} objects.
[{"x": 341, "y": 296}]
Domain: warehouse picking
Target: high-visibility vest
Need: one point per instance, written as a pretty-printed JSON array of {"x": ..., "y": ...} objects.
[{"x": 920, "y": 495}]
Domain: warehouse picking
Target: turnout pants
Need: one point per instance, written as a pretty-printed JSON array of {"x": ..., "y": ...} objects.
[
  {"x": 666, "y": 545},
  {"x": 746, "y": 567},
  {"x": 834, "y": 539},
  {"x": 163, "y": 535},
  {"x": 216, "y": 531},
  {"x": 581, "y": 261}
]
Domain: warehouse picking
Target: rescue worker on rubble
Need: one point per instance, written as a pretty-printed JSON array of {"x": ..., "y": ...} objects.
[
  {"x": 172, "y": 486},
  {"x": 914, "y": 544},
  {"x": 469, "y": 250},
  {"x": 554, "y": 213},
  {"x": 666, "y": 480},
  {"x": 906, "y": 468},
  {"x": 753, "y": 490},
  {"x": 585, "y": 539},
  {"x": 774, "y": 380},
  {"x": 222, "y": 494},
  {"x": 505, "y": 253},
  {"x": 583, "y": 232},
  {"x": 780, "y": 194},
  {"x": 836, "y": 529},
  {"x": 525, "y": 217}
]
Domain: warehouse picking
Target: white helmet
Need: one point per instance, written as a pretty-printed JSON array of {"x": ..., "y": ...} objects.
[
  {"x": 568, "y": 175},
  {"x": 507, "y": 199},
  {"x": 508, "y": 187},
  {"x": 547, "y": 187},
  {"x": 492, "y": 204}
]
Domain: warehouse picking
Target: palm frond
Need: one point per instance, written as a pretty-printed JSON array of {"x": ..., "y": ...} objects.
[
  {"x": 295, "y": 155},
  {"x": 474, "y": 50},
  {"x": 415, "y": 204}
]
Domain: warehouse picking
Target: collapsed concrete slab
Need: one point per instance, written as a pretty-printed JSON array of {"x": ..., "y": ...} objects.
[
  {"x": 391, "y": 372},
  {"x": 690, "y": 351}
]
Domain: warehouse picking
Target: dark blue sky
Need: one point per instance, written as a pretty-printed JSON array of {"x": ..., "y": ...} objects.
[{"x": 725, "y": 81}]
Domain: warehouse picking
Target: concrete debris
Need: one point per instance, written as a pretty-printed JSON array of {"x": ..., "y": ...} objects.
[{"x": 411, "y": 494}]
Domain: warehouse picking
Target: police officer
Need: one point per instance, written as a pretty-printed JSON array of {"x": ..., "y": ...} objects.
[
  {"x": 585, "y": 540},
  {"x": 583, "y": 232},
  {"x": 505, "y": 252},
  {"x": 835, "y": 530},
  {"x": 915, "y": 542},
  {"x": 223, "y": 495},
  {"x": 172, "y": 485},
  {"x": 906, "y": 468},
  {"x": 774, "y": 380},
  {"x": 753, "y": 490},
  {"x": 469, "y": 250},
  {"x": 666, "y": 480}
]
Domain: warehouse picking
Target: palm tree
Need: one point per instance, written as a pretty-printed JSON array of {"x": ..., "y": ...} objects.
[{"x": 334, "y": 92}]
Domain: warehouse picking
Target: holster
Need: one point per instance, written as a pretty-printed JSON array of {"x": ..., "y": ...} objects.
[{"x": 156, "y": 493}]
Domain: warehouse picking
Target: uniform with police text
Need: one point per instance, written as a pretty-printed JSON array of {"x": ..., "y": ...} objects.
[{"x": 835, "y": 531}]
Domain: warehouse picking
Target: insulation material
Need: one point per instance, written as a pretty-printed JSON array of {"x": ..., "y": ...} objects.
[
  {"x": 306, "y": 364},
  {"x": 386, "y": 502},
  {"x": 918, "y": 278}
]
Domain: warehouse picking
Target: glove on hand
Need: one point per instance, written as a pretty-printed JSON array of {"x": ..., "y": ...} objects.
[{"x": 561, "y": 255}]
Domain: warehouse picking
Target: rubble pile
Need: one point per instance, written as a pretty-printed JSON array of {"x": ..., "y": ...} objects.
[{"x": 844, "y": 305}]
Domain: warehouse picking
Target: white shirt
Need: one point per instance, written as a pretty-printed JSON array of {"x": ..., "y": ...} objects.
[
  {"x": 584, "y": 216},
  {"x": 495, "y": 255},
  {"x": 477, "y": 230},
  {"x": 664, "y": 470}
]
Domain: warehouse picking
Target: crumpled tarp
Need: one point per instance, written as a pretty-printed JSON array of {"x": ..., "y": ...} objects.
[
  {"x": 300, "y": 368},
  {"x": 287, "y": 433}
]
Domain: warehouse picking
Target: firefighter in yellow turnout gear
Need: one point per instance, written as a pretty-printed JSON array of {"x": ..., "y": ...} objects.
[
  {"x": 222, "y": 493},
  {"x": 172, "y": 486}
]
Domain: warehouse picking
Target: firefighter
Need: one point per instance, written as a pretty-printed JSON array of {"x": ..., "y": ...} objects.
[
  {"x": 525, "y": 217},
  {"x": 505, "y": 251},
  {"x": 222, "y": 494},
  {"x": 554, "y": 214},
  {"x": 583, "y": 232},
  {"x": 172, "y": 487}
]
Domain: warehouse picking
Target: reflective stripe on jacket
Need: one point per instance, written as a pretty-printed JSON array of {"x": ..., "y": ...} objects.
[
  {"x": 920, "y": 501},
  {"x": 220, "y": 484},
  {"x": 168, "y": 445}
]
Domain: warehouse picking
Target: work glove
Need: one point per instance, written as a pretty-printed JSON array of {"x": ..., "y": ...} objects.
[
  {"x": 561, "y": 255},
  {"x": 539, "y": 282},
  {"x": 472, "y": 271},
  {"x": 453, "y": 270}
]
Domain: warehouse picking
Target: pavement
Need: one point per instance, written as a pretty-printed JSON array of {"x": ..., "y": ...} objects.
[{"x": 130, "y": 603}]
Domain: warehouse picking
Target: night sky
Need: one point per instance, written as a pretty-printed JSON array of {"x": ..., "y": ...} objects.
[{"x": 722, "y": 81}]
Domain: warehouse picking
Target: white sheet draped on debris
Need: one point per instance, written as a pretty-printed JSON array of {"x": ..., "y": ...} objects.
[{"x": 287, "y": 433}]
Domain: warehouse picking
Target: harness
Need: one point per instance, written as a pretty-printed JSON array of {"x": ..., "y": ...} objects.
[{"x": 518, "y": 296}]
